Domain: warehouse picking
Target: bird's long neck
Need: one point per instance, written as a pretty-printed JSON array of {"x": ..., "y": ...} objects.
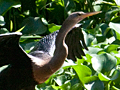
[{"x": 61, "y": 50}]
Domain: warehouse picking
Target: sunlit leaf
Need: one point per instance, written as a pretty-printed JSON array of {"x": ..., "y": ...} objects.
[
  {"x": 117, "y": 2},
  {"x": 115, "y": 26},
  {"x": 3, "y": 67},
  {"x": 103, "y": 62},
  {"x": 2, "y": 22},
  {"x": 115, "y": 19},
  {"x": 11, "y": 25},
  {"x": 97, "y": 6},
  {"x": 60, "y": 80},
  {"x": 66, "y": 86},
  {"x": 84, "y": 73},
  {"x": 93, "y": 50},
  {"x": 103, "y": 77},
  {"x": 52, "y": 27},
  {"x": 111, "y": 47}
]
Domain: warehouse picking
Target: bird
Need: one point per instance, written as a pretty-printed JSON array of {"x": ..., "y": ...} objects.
[{"x": 25, "y": 70}]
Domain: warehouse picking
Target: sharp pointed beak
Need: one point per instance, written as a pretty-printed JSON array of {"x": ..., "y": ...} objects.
[{"x": 90, "y": 14}]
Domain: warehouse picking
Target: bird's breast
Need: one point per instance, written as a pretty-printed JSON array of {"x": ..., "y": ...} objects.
[{"x": 41, "y": 69}]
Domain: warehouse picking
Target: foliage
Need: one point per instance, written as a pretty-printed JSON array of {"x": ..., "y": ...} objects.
[{"x": 100, "y": 68}]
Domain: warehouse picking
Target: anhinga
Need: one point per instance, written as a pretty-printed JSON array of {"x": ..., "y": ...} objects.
[{"x": 24, "y": 70}]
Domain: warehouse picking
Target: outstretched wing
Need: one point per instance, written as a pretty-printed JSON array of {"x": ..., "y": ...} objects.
[
  {"x": 10, "y": 51},
  {"x": 74, "y": 41}
]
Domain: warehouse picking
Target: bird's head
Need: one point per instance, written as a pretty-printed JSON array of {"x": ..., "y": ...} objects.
[
  {"x": 78, "y": 16},
  {"x": 74, "y": 18}
]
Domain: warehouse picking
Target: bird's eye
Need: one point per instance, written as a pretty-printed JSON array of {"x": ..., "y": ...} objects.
[{"x": 79, "y": 14}]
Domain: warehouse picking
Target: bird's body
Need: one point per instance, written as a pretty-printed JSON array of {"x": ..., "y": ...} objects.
[{"x": 26, "y": 70}]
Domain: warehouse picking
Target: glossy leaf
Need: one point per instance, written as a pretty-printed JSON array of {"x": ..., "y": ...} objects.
[
  {"x": 52, "y": 27},
  {"x": 111, "y": 47},
  {"x": 84, "y": 73},
  {"x": 103, "y": 62},
  {"x": 116, "y": 76},
  {"x": 3, "y": 30},
  {"x": 115, "y": 26},
  {"x": 111, "y": 13},
  {"x": 33, "y": 25},
  {"x": 60, "y": 80},
  {"x": 66, "y": 86},
  {"x": 100, "y": 38},
  {"x": 97, "y": 6},
  {"x": 2, "y": 22},
  {"x": 5, "y": 5},
  {"x": 103, "y": 77},
  {"x": 117, "y": 2},
  {"x": 77, "y": 86},
  {"x": 93, "y": 50},
  {"x": 95, "y": 85}
]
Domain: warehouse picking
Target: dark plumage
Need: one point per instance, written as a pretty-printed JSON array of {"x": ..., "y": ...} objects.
[
  {"x": 47, "y": 44},
  {"x": 24, "y": 70}
]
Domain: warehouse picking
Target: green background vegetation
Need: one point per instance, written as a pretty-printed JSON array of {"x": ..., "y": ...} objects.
[{"x": 100, "y": 68}]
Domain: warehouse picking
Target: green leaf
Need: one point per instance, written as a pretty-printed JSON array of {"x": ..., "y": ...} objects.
[
  {"x": 115, "y": 26},
  {"x": 3, "y": 67},
  {"x": 3, "y": 30},
  {"x": 41, "y": 3},
  {"x": 117, "y": 2},
  {"x": 60, "y": 80},
  {"x": 103, "y": 62},
  {"x": 115, "y": 88},
  {"x": 117, "y": 41},
  {"x": 88, "y": 38},
  {"x": 5, "y": 5},
  {"x": 84, "y": 73},
  {"x": 55, "y": 87},
  {"x": 104, "y": 27},
  {"x": 93, "y": 50},
  {"x": 56, "y": 12},
  {"x": 100, "y": 38},
  {"x": 116, "y": 76},
  {"x": 69, "y": 5},
  {"x": 76, "y": 86},
  {"x": 66, "y": 86},
  {"x": 43, "y": 85},
  {"x": 115, "y": 19},
  {"x": 2, "y": 23},
  {"x": 111, "y": 47},
  {"x": 33, "y": 25},
  {"x": 111, "y": 13},
  {"x": 49, "y": 88},
  {"x": 102, "y": 77},
  {"x": 97, "y": 6},
  {"x": 95, "y": 85},
  {"x": 28, "y": 46},
  {"x": 52, "y": 27}
]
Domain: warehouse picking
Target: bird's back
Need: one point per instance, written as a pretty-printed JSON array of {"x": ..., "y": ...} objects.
[{"x": 45, "y": 45}]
